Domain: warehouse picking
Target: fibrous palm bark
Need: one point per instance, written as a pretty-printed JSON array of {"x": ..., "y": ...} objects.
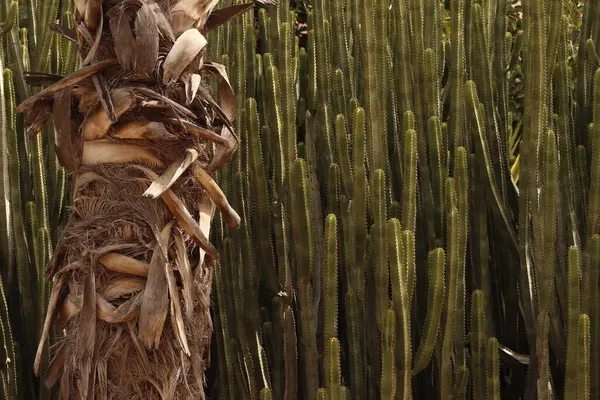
[{"x": 141, "y": 136}]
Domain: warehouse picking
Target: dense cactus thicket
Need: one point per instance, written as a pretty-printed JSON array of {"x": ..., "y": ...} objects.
[{"x": 419, "y": 190}]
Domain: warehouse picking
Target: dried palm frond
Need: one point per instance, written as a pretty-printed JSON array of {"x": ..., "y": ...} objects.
[{"x": 141, "y": 134}]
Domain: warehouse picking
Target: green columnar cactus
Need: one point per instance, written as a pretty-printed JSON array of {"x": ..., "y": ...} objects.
[
  {"x": 571, "y": 372},
  {"x": 330, "y": 285},
  {"x": 478, "y": 344},
  {"x": 334, "y": 373},
  {"x": 583, "y": 357},
  {"x": 400, "y": 296},
  {"x": 388, "y": 359},
  {"x": 492, "y": 370},
  {"x": 435, "y": 302}
]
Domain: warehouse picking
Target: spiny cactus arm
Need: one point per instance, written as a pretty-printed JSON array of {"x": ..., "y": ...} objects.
[
  {"x": 438, "y": 169},
  {"x": 388, "y": 357},
  {"x": 457, "y": 73},
  {"x": 492, "y": 370},
  {"x": 593, "y": 211},
  {"x": 359, "y": 204},
  {"x": 333, "y": 189},
  {"x": 583, "y": 357},
  {"x": 261, "y": 197},
  {"x": 494, "y": 138},
  {"x": 334, "y": 370},
  {"x": 379, "y": 246},
  {"x": 356, "y": 356},
  {"x": 571, "y": 371},
  {"x": 330, "y": 298},
  {"x": 8, "y": 374},
  {"x": 594, "y": 260},
  {"x": 478, "y": 344},
  {"x": 446, "y": 375},
  {"x": 303, "y": 250},
  {"x": 400, "y": 294},
  {"x": 436, "y": 266},
  {"x": 409, "y": 188},
  {"x": 343, "y": 155},
  {"x": 478, "y": 118}
]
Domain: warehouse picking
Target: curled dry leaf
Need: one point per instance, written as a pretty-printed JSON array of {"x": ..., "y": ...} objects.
[
  {"x": 92, "y": 52},
  {"x": 192, "y": 83},
  {"x": 69, "y": 146},
  {"x": 104, "y": 151},
  {"x": 86, "y": 337},
  {"x": 97, "y": 125},
  {"x": 146, "y": 40},
  {"x": 122, "y": 286},
  {"x": 149, "y": 130},
  {"x": 123, "y": 39},
  {"x": 67, "y": 81},
  {"x": 184, "y": 51},
  {"x": 199, "y": 131},
  {"x": 207, "y": 212},
  {"x": 155, "y": 298},
  {"x": 224, "y": 153},
  {"x": 93, "y": 14},
  {"x": 67, "y": 311},
  {"x": 176, "y": 316},
  {"x": 80, "y": 6},
  {"x": 185, "y": 271},
  {"x": 125, "y": 265},
  {"x": 117, "y": 315},
  {"x": 67, "y": 33},
  {"x": 226, "y": 96},
  {"x": 217, "y": 195},
  {"x": 172, "y": 173},
  {"x": 40, "y": 78},
  {"x": 55, "y": 297},
  {"x": 157, "y": 96},
  {"x": 56, "y": 366},
  {"x": 223, "y": 15},
  {"x": 188, "y": 13}
]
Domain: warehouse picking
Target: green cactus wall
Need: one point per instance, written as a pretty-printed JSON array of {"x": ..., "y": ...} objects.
[{"x": 419, "y": 183}]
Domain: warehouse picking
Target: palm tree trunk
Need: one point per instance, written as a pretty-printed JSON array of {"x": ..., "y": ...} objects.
[{"x": 141, "y": 136}]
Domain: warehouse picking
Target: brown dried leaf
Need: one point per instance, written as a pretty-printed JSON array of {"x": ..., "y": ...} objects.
[
  {"x": 55, "y": 298},
  {"x": 185, "y": 271},
  {"x": 164, "y": 26},
  {"x": 98, "y": 152},
  {"x": 217, "y": 195},
  {"x": 117, "y": 315},
  {"x": 207, "y": 212},
  {"x": 86, "y": 333},
  {"x": 171, "y": 174},
  {"x": 142, "y": 130},
  {"x": 226, "y": 96},
  {"x": 122, "y": 286},
  {"x": 155, "y": 298},
  {"x": 125, "y": 265},
  {"x": 99, "y": 122},
  {"x": 176, "y": 316},
  {"x": 37, "y": 116},
  {"x": 67, "y": 311},
  {"x": 187, "y": 13},
  {"x": 69, "y": 146},
  {"x": 123, "y": 40},
  {"x": 93, "y": 14},
  {"x": 40, "y": 78},
  {"x": 224, "y": 15},
  {"x": 199, "y": 131},
  {"x": 80, "y": 6},
  {"x": 192, "y": 83},
  {"x": 146, "y": 40},
  {"x": 56, "y": 367},
  {"x": 91, "y": 55},
  {"x": 184, "y": 51},
  {"x": 67, "y": 81},
  {"x": 157, "y": 96},
  {"x": 224, "y": 153}
]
